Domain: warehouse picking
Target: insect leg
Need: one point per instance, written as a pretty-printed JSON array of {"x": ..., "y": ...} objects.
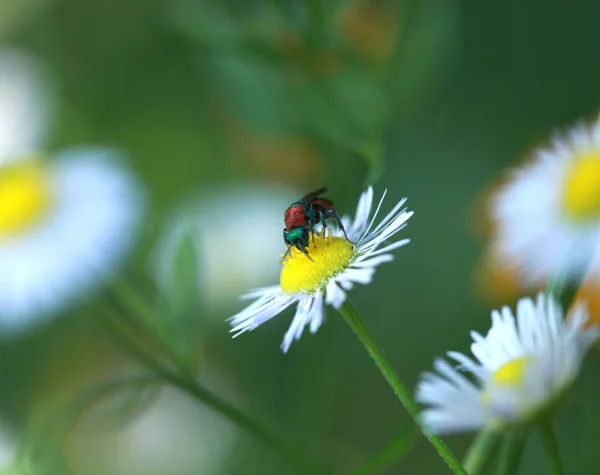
[
  {"x": 341, "y": 226},
  {"x": 304, "y": 251},
  {"x": 288, "y": 252}
]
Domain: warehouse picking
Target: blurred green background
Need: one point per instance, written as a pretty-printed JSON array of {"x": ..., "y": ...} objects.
[{"x": 431, "y": 99}]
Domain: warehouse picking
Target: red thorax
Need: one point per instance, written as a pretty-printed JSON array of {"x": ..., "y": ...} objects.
[{"x": 294, "y": 217}]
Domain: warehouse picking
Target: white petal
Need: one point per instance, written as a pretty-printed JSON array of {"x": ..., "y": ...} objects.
[
  {"x": 334, "y": 296},
  {"x": 301, "y": 319},
  {"x": 467, "y": 364},
  {"x": 373, "y": 262},
  {"x": 363, "y": 210},
  {"x": 397, "y": 224},
  {"x": 366, "y": 232},
  {"x": 443, "y": 422},
  {"x": 318, "y": 311},
  {"x": 260, "y": 311},
  {"x": 391, "y": 216},
  {"x": 390, "y": 247},
  {"x": 25, "y": 105},
  {"x": 361, "y": 276},
  {"x": 260, "y": 292}
]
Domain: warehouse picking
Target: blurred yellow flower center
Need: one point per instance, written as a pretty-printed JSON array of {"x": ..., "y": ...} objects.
[
  {"x": 581, "y": 193},
  {"x": 330, "y": 256},
  {"x": 511, "y": 374},
  {"x": 24, "y": 197}
]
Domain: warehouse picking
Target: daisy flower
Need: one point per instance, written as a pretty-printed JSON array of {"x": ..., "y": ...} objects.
[
  {"x": 547, "y": 215},
  {"x": 64, "y": 223},
  {"x": 521, "y": 368},
  {"x": 337, "y": 264}
]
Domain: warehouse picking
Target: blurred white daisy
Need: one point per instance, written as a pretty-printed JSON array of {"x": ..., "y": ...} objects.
[
  {"x": 336, "y": 265},
  {"x": 64, "y": 223},
  {"x": 24, "y": 105},
  {"x": 547, "y": 216},
  {"x": 202, "y": 234},
  {"x": 521, "y": 368},
  {"x": 12, "y": 459},
  {"x": 8, "y": 447},
  {"x": 174, "y": 435}
]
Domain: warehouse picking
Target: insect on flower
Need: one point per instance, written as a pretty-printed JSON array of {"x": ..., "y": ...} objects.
[
  {"x": 301, "y": 217},
  {"x": 337, "y": 263}
]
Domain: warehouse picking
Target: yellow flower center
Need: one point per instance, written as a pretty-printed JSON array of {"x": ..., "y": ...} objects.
[
  {"x": 581, "y": 192},
  {"x": 510, "y": 375},
  {"x": 330, "y": 256},
  {"x": 24, "y": 197}
]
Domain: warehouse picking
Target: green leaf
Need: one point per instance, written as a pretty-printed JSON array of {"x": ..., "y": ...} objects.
[{"x": 185, "y": 278}]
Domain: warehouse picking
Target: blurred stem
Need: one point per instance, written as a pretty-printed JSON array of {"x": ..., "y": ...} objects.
[
  {"x": 349, "y": 312},
  {"x": 512, "y": 450},
  {"x": 555, "y": 286},
  {"x": 303, "y": 462},
  {"x": 550, "y": 444},
  {"x": 481, "y": 452},
  {"x": 564, "y": 291},
  {"x": 138, "y": 306},
  {"x": 390, "y": 453}
]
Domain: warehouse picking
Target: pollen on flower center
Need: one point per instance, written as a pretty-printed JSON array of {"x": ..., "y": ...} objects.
[
  {"x": 24, "y": 197},
  {"x": 330, "y": 256},
  {"x": 511, "y": 374},
  {"x": 581, "y": 192}
]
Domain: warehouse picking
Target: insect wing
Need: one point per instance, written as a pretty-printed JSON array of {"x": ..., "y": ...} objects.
[{"x": 312, "y": 195}]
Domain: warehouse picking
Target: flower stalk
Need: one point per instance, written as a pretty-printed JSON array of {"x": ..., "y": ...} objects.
[
  {"x": 548, "y": 436},
  {"x": 514, "y": 443},
  {"x": 357, "y": 324},
  {"x": 305, "y": 463},
  {"x": 482, "y": 452}
]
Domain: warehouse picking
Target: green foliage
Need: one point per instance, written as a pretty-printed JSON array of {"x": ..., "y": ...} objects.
[{"x": 204, "y": 93}]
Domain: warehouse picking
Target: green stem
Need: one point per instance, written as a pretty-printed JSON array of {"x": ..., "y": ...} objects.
[
  {"x": 304, "y": 463},
  {"x": 562, "y": 290},
  {"x": 482, "y": 451},
  {"x": 349, "y": 312},
  {"x": 556, "y": 283},
  {"x": 390, "y": 453},
  {"x": 511, "y": 452},
  {"x": 125, "y": 294},
  {"x": 550, "y": 444}
]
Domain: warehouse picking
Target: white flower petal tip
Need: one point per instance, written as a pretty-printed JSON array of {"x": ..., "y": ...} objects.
[
  {"x": 520, "y": 368},
  {"x": 88, "y": 218},
  {"x": 26, "y": 103},
  {"x": 336, "y": 266}
]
